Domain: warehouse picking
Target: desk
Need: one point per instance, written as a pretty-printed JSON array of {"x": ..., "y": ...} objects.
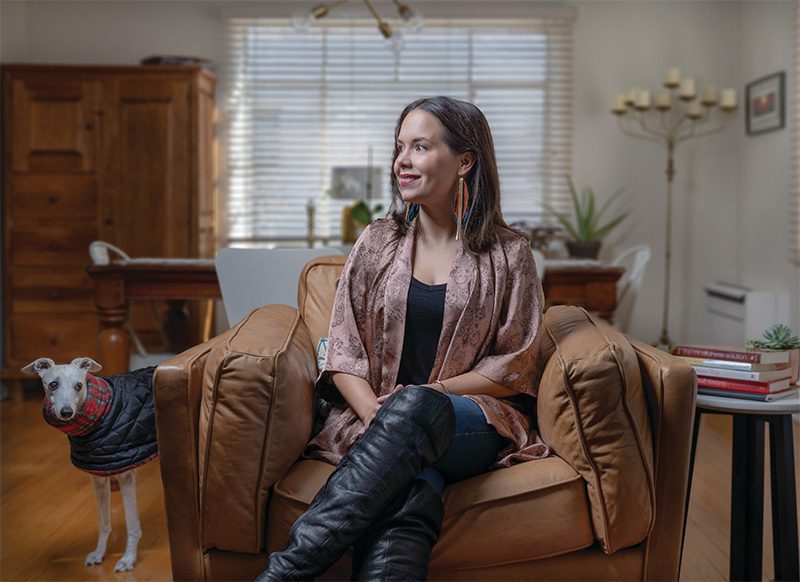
[
  {"x": 587, "y": 284},
  {"x": 747, "y": 482},
  {"x": 161, "y": 279}
]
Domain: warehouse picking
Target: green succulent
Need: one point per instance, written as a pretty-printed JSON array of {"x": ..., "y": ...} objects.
[
  {"x": 362, "y": 214},
  {"x": 586, "y": 225},
  {"x": 776, "y": 337}
]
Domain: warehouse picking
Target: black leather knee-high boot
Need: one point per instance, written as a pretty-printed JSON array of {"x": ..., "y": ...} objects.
[
  {"x": 399, "y": 546},
  {"x": 411, "y": 431}
]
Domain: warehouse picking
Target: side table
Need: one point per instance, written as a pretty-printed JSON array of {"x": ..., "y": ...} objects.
[{"x": 747, "y": 482}]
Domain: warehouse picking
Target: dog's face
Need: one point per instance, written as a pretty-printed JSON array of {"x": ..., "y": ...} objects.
[{"x": 64, "y": 385}]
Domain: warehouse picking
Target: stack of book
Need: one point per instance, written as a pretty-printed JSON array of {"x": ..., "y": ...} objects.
[{"x": 739, "y": 372}]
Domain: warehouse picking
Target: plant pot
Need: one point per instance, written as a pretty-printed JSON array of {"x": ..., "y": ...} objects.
[{"x": 583, "y": 250}]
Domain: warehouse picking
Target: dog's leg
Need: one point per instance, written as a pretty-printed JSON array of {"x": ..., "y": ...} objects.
[
  {"x": 102, "y": 494},
  {"x": 127, "y": 485}
]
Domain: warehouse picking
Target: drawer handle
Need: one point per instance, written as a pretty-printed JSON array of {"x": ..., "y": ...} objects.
[
  {"x": 56, "y": 295},
  {"x": 54, "y": 246},
  {"x": 54, "y": 340},
  {"x": 53, "y": 199}
]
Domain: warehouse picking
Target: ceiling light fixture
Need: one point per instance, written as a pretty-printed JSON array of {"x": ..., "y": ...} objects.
[{"x": 410, "y": 20}]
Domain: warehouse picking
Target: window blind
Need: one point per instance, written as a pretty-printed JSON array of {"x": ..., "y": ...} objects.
[
  {"x": 304, "y": 104},
  {"x": 793, "y": 91}
]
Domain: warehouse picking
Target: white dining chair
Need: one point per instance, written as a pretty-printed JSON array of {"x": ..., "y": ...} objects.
[
  {"x": 538, "y": 258},
  {"x": 251, "y": 278},
  {"x": 634, "y": 260}
]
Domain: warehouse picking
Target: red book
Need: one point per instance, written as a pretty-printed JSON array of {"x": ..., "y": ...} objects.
[
  {"x": 742, "y": 386},
  {"x": 734, "y": 354}
]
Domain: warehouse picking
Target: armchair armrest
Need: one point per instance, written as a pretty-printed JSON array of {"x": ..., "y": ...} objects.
[
  {"x": 232, "y": 416},
  {"x": 671, "y": 386}
]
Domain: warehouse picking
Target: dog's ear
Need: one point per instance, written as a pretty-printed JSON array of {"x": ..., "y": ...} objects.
[
  {"x": 87, "y": 364},
  {"x": 39, "y": 366}
]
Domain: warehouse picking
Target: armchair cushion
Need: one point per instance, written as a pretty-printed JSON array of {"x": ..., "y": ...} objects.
[
  {"x": 593, "y": 412},
  {"x": 256, "y": 413},
  {"x": 545, "y": 498}
]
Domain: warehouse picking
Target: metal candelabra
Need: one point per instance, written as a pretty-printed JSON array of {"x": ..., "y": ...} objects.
[{"x": 676, "y": 117}]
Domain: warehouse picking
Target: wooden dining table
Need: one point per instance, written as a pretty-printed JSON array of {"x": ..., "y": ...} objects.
[
  {"x": 118, "y": 283},
  {"x": 588, "y": 284}
]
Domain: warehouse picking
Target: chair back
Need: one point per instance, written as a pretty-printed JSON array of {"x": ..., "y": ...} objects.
[
  {"x": 316, "y": 292},
  {"x": 538, "y": 258},
  {"x": 634, "y": 260},
  {"x": 251, "y": 278}
]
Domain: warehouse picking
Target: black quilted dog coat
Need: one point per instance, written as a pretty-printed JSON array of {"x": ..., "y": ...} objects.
[{"x": 115, "y": 430}]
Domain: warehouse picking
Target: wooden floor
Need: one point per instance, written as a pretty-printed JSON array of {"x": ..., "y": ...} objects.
[{"x": 48, "y": 520}]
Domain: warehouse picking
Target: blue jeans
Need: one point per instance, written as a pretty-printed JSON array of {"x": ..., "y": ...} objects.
[{"x": 475, "y": 446}]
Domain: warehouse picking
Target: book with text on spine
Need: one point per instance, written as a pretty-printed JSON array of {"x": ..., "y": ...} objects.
[
  {"x": 743, "y": 374},
  {"x": 741, "y": 385},
  {"x": 731, "y": 365},
  {"x": 766, "y": 397},
  {"x": 734, "y": 354}
]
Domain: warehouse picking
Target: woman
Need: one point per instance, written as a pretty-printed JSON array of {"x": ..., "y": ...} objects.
[{"x": 432, "y": 345}]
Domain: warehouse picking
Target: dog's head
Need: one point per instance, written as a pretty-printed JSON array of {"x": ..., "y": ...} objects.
[{"x": 64, "y": 385}]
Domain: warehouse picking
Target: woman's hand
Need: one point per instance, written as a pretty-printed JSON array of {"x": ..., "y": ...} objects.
[{"x": 381, "y": 400}]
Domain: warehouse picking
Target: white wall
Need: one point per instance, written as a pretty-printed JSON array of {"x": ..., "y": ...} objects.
[
  {"x": 731, "y": 191},
  {"x": 765, "y": 171}
]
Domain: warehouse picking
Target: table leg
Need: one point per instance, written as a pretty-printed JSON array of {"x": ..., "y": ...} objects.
[
  {"x": 784, "y": 498},
  {"x": 693, "y": 452},
  {"x": 115, "y": 343},
  {"x": 112, "y": 310},
  {"x": 747, "y": 498}
]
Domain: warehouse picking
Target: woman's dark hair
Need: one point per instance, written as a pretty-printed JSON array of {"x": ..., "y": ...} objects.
[{"x": 465, "y": 130}]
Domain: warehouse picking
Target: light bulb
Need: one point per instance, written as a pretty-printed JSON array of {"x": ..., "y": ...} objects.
[
  {"x": 396, "y": 42},
  {"x": 412, "y": 19},
  {"x": 301, "y": 21}
]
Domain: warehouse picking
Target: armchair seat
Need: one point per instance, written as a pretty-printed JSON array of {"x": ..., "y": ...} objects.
[{"x": 545, "y": 498}]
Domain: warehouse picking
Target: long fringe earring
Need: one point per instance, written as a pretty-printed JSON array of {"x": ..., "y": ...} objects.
[
  {"x": 411, "y": 211},
  {"x": 460, "y": 206}
]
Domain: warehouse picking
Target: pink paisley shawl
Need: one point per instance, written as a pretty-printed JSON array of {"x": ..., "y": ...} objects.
[{"x": 493, "y": 310}]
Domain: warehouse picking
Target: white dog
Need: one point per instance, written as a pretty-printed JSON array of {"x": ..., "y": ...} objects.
[{"x": 111, "y": 428}]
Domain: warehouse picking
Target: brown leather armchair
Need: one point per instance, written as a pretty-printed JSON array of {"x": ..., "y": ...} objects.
[{"x": 234, "y": 414}]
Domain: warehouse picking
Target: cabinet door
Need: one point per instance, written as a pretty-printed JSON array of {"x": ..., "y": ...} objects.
[
  {"x": 147, "y": 195},
  {"x": 53, "y": 123}
]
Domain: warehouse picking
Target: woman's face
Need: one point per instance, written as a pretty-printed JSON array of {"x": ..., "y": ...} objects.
[{"x": 425, "y": 167}]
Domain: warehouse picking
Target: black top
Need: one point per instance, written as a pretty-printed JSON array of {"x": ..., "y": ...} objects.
[{"x": 424, "y": 316}]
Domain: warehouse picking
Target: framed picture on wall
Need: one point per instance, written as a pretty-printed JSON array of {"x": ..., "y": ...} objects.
[{"x": 766, "y": 104}]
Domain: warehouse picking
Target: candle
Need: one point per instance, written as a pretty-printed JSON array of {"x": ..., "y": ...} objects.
[
  {"x": 619, "y": 106},
  {"x": 693, "y": 111},
  {"x": 663, "y": 101},
  {"x": 709, "y": 95},
  {"x": 687, "y": 91},
  {"x": 632, "y": 95},
  {"x": 673, "y": 77},
  {"x": 728, "y": 99},
  {"x": 643, "y": 99}
]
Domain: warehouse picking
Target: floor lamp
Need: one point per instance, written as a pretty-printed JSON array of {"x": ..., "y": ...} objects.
[{"x": 677, "y": 116}]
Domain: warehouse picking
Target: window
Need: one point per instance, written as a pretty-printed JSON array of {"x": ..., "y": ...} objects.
[
  {"x": 793, "y": 91},
  {"x": 304, "y": 105}
]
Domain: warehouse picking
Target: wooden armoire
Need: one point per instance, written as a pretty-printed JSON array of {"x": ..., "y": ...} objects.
[{"x": 123, "y": 154}]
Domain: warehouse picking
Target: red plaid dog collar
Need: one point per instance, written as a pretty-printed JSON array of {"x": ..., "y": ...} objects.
[{"x": 95, "y": 407}]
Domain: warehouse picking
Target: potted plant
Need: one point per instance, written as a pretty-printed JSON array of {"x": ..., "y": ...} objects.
[
  {"x": 585, "y": 228},
  {"x": 362, "y": 214},
  {"x": 779, "y": 337}
]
